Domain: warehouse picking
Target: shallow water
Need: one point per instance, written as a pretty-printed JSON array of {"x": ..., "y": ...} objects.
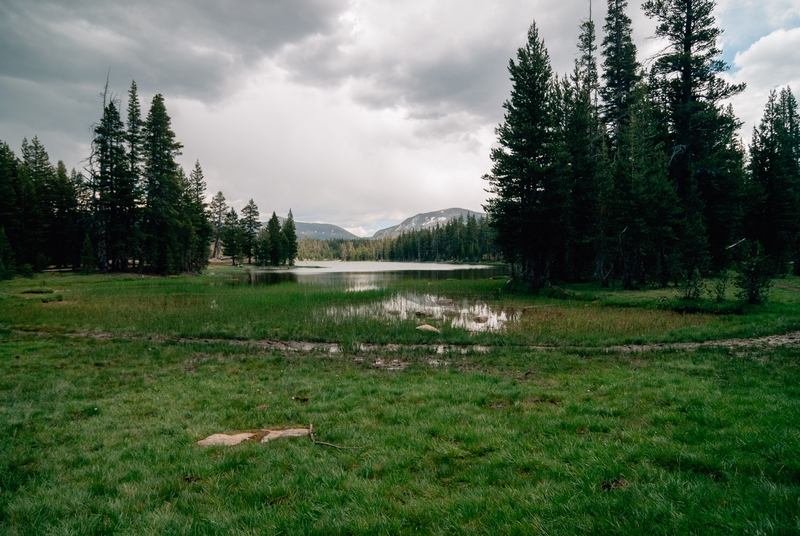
[
  {"x": 359, "y": 276},
  {"x": 474, "y": 316}
]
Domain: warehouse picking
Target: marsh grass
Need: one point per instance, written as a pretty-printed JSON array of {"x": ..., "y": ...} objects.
[
  {"x": 213, "y": 306},
  {"x": 99, "y": 438}
]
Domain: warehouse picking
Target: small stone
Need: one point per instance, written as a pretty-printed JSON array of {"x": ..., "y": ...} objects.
[
  {"x": 426, "y": 327},
  {"x": 224, "y": 440}
]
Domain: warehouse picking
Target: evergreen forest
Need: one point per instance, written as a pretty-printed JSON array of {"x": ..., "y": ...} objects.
[{"x": 638, "y": 175}]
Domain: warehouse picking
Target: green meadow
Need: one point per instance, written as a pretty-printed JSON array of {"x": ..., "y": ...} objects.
[{"x": 107, "y": 382}]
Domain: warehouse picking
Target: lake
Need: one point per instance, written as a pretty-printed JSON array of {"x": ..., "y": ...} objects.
[{"x": 365, "y": 275}]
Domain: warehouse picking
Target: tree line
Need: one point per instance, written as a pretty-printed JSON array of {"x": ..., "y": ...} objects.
[
  {"x": 244, "y": 237},
  {"x": 457, "y": 240},
  {"x": 638, "y": 175},
  {"x": 134, "y": 208}
]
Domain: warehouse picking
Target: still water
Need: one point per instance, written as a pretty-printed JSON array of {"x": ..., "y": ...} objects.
[
  {"x": 475, "y": 316},
  {"x": 363, "y": 275},
  {"x": 421, "y": 308}
]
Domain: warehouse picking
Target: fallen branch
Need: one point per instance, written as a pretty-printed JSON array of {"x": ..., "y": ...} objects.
[{"x": 313, "y": 440}]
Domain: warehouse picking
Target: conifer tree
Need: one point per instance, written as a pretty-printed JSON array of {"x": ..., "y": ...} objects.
[
  {"x": 705, "y": 165},
  {"x": 620, "y": 70},
  {"x": 774, "y": 190},
  {"x": 290, "y": 235},
  {"x": 233, "y": 237},
  {"x": 529, "y": 198},
  {"x": 38, "y": 224},
  {"x": 163, "y": 251},
  {"x": 217, "y": 210},
  {"x": 277, "y": 246},
  {"x": 14, "y": 188},
  {"x": 251, "y": 225},
  {"x": 112, "y": 195}
]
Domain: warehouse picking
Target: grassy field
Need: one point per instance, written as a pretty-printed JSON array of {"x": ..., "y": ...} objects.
[{"x": 99, "y": 434}]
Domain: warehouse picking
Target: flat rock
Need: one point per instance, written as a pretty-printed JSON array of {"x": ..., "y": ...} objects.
[
  {"x": 426, "y": 327},
  {"x": 224, "y": 440},
  {"x": 289, "y": 432}
]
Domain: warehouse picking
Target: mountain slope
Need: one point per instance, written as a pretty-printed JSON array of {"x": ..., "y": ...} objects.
[
  {"x": 323, "y": 231},
  {"x": 426, "y": 220}
]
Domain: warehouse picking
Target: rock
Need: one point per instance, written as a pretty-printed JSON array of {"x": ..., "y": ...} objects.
[
  {"x": 224, "y": 440},
  {"x": 426, "y": 327},
  {"x": 480, "y": 319},
  {"x": 290, "y": 432}
]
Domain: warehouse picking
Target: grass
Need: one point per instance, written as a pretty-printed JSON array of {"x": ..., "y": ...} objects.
[
  {"x": 212, "y": 306},
  {"x": 99, "y": 435}
]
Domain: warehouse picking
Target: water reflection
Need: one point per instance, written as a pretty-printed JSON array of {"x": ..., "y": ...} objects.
[
  {"x": 359, "y": 276},
  {"x": 425, "y": 308}
]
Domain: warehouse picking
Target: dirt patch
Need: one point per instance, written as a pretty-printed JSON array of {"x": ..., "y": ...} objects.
[
  {"x": 617, "y": 483},
  {"x": 260, "y": 436},
  {"x": 788, "y": 339}
]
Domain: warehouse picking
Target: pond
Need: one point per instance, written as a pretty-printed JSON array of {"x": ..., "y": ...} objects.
[
  {"x": 362, "y": 275},
  {"x": 475, "y": 316}
]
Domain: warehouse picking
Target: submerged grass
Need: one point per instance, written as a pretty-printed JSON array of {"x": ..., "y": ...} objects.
[{"x": 99, "y": 438}]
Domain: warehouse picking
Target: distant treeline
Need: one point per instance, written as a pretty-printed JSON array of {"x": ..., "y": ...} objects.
[
  {"x": 245, "y": 238},
  {"x": 458, "y": 240},
  {"x": 133, "y": 209}
]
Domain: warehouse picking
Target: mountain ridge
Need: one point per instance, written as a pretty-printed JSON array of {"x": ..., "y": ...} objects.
[{"x": 426, "y": 220}]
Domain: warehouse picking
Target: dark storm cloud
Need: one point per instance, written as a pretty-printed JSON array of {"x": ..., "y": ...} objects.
[{"x": 189, "y": 49}]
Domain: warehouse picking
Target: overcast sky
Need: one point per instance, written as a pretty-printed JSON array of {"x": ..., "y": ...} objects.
[{"x": 357, "y": 113}]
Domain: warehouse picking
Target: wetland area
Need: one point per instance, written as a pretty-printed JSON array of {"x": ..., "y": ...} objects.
[{"x": 578, "y": 410}]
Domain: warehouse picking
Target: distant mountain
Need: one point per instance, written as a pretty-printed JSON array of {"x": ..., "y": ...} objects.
[
  {"x": 426, "y": 221},
  {"x": 323, "y": 231}
]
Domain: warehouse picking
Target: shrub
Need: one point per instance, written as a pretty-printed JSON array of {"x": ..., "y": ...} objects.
[{"x": 756, "y": 271}]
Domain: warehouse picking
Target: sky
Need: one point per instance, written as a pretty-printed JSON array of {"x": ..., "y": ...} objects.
[{"x": 351, "y": 112}]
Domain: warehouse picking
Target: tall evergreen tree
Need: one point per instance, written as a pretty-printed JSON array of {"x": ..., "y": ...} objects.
[
  {"x": 579, "y": 155},
  {"x": 38, "y": 223},
  {"x": 217, "y": 210},
  {"x": 113, "y": 196},
  {"x": 14, "y": 188},
  {"x": 774, "y": 190},
  {"x": 277, "y": 246},
  {"x": 134, "y": 187},
  {"x": 290, "y": 235},
  {"x": 163, "y": 251},
  {"x": 620, "y": 69},
  {"x": 529, "y": 198},
  {"x": 701, "y": 142},
  {"x": 199, "y": 231},
  {"x": 233, "y": 237},
  {"x": 251, "y": 225}
]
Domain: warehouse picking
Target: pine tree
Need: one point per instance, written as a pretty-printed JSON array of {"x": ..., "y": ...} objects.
[
  {"x": 217, "y": 210},
  {"x": 774, "y": 190},
  {"x": 65, "y": 232},
  {"x": 290, "y": 234},
  {"x": 251, "y": 225},
  {"x": 163, "y": 251},
  {"x": 620, "y": 70},
  {"x": 110, "y": 179},
  {"x": 14, "y": 187},
  {"x": 701, "y": 143},
  {"x": 579, "y": 129},
  {"x": 277, "y": 246},
  {"x": 529, "y": 201},
  {"x": 134, "y": 187},
  {"x": 233, "y": 237},
  {"x": 38, "y": 222}
]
